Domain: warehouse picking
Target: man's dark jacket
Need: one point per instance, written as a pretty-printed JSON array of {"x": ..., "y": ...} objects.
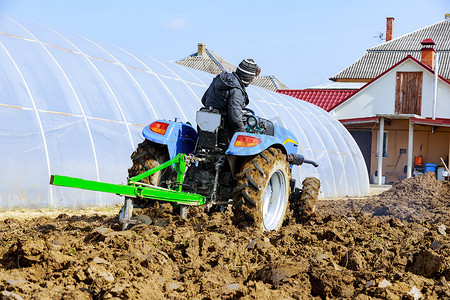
[{"x": 227, "y": 94}]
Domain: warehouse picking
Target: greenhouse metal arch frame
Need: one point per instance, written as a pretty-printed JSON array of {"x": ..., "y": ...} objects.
[{"x": 73, "y": 107}]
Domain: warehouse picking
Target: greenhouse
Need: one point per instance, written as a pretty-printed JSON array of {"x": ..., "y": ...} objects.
[{"x": 73, "y": 107}]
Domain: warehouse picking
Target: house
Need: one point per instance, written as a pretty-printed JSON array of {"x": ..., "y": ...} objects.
[
  {"x": 401, "y": 72},
  {"x": 404, "y": 113},
  {"x": 206, "y": 60},
  {"x": 404, "y": 94},
  {"x": 376, "y": 61}
]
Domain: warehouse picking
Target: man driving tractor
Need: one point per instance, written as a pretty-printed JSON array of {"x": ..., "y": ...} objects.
[{"x": 228, "y": 95}]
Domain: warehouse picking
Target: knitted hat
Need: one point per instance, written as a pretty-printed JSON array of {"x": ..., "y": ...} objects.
[{"x": 247, "y": 70}]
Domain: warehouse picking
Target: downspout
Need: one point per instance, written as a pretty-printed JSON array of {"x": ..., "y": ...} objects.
[
  {"x": 436, "y": 69},
  {"x": 380, "y": 151}
]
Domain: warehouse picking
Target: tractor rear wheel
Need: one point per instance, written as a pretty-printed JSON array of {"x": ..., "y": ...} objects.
[
  {"x": 262, "y": 191},
  {"x": 310, "y": 194},
  {"x": 147, "y": 156}
]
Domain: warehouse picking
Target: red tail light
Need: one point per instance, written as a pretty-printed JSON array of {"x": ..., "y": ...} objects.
[
  {"x": 159, "y": 127},
  {"x": 246, "y": 141}
]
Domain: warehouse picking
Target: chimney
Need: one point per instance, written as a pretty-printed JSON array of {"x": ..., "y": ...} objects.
[
  {"x": 389, "y": 28},
  {"x": 201, "y": 49},
  {"x": 447, "y": 17},
  {"x": 428, "y": 52}
]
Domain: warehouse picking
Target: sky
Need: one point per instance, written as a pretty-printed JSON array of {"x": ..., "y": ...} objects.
[{"x": 302, "y": 43}]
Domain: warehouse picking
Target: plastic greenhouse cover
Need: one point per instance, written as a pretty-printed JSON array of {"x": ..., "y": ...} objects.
[{"x": 73, "y": 107}]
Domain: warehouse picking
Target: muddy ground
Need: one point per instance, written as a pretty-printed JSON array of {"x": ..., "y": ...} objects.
[{"x": 394, "y": 245}]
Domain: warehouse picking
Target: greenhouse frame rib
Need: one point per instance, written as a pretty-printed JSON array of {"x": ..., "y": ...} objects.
[{"x": 78, "y": 109}]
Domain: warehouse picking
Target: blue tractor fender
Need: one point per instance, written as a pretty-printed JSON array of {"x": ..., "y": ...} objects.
[
  {"x": 179, "y": 137},
  {"x": 248, "y": 144}
]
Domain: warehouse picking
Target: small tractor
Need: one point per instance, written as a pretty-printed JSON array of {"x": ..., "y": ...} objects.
[{"x": 250, "y": 171}]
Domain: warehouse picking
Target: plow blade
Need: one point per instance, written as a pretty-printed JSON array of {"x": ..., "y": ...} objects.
[{"x": 132, "y": 190}]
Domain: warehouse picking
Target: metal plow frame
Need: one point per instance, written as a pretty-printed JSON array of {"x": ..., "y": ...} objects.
[{"x": 136, "y": 189}]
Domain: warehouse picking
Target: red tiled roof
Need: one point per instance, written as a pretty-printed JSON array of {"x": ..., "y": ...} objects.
[{"x": 324, "y": 98}]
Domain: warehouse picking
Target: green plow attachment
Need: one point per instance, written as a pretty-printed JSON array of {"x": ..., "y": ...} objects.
[
  {"x": 136, "y": 189},
  {"x": 133, "y": 191}
]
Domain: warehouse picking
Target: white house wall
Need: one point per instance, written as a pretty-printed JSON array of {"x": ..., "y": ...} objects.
[
  {"x": 443, "y": 102},
  {"x": 379, "y": 96}
]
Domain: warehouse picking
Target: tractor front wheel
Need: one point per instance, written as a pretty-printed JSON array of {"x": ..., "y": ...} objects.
[
  {"x": 310, "y": 194},
  {"x": 304, "y": 201},
  {"x": 262, "y": 192}
]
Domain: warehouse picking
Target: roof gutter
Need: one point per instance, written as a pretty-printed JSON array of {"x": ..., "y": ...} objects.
[
  {"x": 399, "y": 116},
  {"x": 376, "y": 118},
  {"x": 415, "y": 119},
  {"x": 359, "y": 120},
  {"x": 431, "y": 122}
]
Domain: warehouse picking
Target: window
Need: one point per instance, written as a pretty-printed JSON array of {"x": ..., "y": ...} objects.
[{"x": 385, "y": 143}]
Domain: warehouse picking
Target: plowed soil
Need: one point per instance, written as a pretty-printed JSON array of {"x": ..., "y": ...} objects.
[{"x": 394, "y": 245}]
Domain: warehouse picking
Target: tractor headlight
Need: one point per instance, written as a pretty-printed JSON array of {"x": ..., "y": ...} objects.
[{"x": 251, "y": 121}]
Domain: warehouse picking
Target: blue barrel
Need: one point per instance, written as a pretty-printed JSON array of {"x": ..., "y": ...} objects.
[{"x": 430, "y": 167}]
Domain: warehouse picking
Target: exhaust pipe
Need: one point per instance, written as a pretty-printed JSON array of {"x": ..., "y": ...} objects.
[{"x": 298, "y": 160}]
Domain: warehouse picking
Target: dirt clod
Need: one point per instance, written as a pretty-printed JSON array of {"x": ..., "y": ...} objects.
[{"x": 389, "y": 246}]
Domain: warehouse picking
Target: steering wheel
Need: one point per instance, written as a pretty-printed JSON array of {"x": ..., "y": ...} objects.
[{"x": 248, "y": 111}]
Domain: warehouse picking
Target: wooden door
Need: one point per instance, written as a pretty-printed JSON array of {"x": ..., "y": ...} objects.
[{"x": 408, "y": 93}]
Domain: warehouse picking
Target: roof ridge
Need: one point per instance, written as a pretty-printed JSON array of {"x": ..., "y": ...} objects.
[
  {"x": 378, "y": 58},
  {"x": 219, "y": 60},
  {"x": 406, "y": 34},
  {"x": 213, "y": 57}
]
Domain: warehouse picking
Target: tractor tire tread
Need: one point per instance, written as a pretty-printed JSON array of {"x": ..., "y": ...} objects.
[
  {"x": 271, "y": 150},
  {"x": 244, "y": 172},
  {"x": 244, "y": 185},
  {"x": 255, "y": 163},
  {"x": 248, "y": 199},
  {"x": 251, "y": 183},
  {"x": 238, "y": 204},
  {"x": 265, "y": 157},
  {"x": 145, "y": 157},
  {"x": 309, "y": 196}
]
